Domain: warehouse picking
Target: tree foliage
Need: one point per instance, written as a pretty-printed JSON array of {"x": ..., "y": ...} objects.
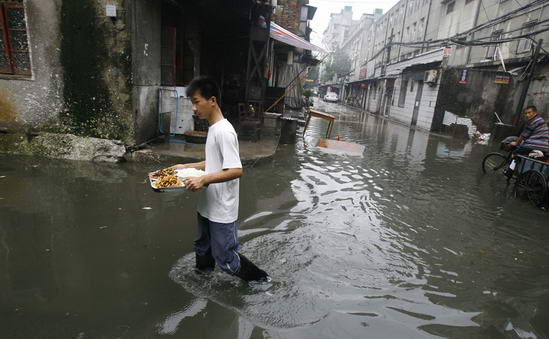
[{"x": 339, "y": 65}]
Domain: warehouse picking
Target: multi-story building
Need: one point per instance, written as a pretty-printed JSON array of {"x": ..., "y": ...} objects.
[
  {"x": 335, "y": 35},
  {"x": 356, "y": 46},
  {"x": 431, "y": 63},
  {"x": 489, "y": 71},
  {"x": 288, "y": 62},
  {"x": 338, "y": 28}
]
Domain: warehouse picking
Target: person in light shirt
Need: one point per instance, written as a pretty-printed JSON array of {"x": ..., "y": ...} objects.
[{"x": 217, "y": 240}]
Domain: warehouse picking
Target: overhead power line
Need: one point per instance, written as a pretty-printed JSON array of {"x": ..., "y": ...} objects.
[{"x": 459, "y": 38}]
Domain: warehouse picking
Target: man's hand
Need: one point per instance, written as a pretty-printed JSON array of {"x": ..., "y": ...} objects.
[
  {"x": 194, "y": 183},
  {"x": 513, "y": 143}
]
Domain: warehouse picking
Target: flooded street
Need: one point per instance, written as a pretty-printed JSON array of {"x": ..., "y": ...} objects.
[{"x": 407, "y": 241}]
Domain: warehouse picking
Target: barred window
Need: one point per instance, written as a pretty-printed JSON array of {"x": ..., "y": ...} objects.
[{"x": 14, "y": 45}]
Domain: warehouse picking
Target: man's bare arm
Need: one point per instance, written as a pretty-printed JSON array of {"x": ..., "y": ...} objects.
[
  {"x": 197, "y": 165},
  {"x": 196, "y": 183}
]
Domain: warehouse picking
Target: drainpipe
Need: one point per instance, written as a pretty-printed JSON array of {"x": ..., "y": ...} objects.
[
  {"x": 526, "y": 86},
  {"x": 468, "y": 59},
  {"x": 426, "y": 26}
]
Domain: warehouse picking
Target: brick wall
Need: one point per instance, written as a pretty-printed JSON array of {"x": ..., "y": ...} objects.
[{"x": 288, "y": 17}]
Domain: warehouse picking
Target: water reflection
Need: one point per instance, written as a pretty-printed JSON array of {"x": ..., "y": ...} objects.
[{"x": 408, "y": 241}]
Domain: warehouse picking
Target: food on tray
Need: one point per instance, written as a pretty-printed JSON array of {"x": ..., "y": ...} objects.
[
  {"x": 168, "y": 181},
  {"x": 172, "y": 179},
  {"x": 163, "y": 172}
]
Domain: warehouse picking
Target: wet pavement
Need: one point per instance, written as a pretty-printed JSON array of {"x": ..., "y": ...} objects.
[{"x": 407, "y": 241}]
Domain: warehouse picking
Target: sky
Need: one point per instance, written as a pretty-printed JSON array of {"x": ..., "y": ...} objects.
[{"x": 326, "y": 7}]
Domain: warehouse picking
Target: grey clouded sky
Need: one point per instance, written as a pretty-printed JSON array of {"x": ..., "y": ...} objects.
[{"x": 326, "y": 7}]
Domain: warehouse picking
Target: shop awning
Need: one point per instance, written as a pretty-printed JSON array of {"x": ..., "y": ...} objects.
[{"x": 287, "y": 37}]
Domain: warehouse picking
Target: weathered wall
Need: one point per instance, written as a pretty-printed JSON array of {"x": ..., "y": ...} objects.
[
  {"x": 288, "y": 16},
  {"x": 146, "y": 38},
  {"x": 95, "y": 55},
  {"x": 33, "y": 102},
  {"x": 478, "y": 99},
  {"x": 463, "y": 18},
  {"x": 426, "y": 107},
  {"x": 538, "y": 93}
]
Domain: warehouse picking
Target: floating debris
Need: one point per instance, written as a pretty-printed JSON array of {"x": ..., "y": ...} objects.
[
  {"x": 340, "y": 147},
  {"x": 147, "y": 208}
]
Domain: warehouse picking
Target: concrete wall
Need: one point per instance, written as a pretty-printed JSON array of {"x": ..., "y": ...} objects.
[
  {"x": 146, "y": 49},
  {"x": 81, "y": 74},
  {"x": 463, "y": 18},
  {"x": 478, "y": 99},
  {"x": 375, "y": 91},
  {"x": 38, "y": 100},
  {"x": 96, "y": 61},
  {"x": 426, "y": 106}
]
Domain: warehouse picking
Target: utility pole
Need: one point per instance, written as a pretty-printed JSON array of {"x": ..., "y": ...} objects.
[{"x": 524, "y": 93}]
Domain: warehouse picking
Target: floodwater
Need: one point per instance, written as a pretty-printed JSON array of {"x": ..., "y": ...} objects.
[{"x": 407, "y": 241}]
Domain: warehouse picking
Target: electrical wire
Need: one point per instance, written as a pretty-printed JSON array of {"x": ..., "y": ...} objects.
[{"x": 457, "y": 39}]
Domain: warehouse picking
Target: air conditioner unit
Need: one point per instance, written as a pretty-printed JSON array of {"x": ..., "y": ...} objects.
[{"x": 431, "y": 76}]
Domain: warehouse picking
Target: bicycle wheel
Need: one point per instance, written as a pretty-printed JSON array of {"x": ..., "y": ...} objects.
[
  {"x": 536, "y": 188},
  {"x": 521, "y": 185},
  {"x": 494, "y": 163}
]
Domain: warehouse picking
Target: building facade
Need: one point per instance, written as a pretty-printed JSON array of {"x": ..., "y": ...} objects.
[
  {"x": 115, "y": 70},
  {"x": 432, "y": 64}
]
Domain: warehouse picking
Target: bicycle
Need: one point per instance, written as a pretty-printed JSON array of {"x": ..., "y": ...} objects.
[{"x": 531, "y": 176}]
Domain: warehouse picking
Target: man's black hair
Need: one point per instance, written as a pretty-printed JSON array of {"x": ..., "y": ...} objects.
[
  {"x": 533, "y": 108},
  {"x": 207, "y": 86}
]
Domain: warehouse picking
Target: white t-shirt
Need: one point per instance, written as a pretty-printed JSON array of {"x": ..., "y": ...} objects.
[{"x": 219, "y": 202}]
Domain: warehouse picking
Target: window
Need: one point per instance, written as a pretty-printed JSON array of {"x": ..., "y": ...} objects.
[
  {"x": 403, "y": 88},
  {"x": 14, "y": 45},
  {"x": 524, "y": 45},
  {"x": 450, "y": 7},
  {"x": 491, "y": 49}
]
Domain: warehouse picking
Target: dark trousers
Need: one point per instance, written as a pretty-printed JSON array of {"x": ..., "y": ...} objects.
[{"x": 220, "y": 241}]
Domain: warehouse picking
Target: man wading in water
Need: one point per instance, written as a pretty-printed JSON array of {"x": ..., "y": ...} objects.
[{"x": 216, "y": 240}]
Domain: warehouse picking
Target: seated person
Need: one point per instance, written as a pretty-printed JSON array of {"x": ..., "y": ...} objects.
[{"x": 535, "y": 136}]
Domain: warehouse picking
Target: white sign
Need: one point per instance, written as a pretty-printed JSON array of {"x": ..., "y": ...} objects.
[{"x": 111, "y": 10}]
